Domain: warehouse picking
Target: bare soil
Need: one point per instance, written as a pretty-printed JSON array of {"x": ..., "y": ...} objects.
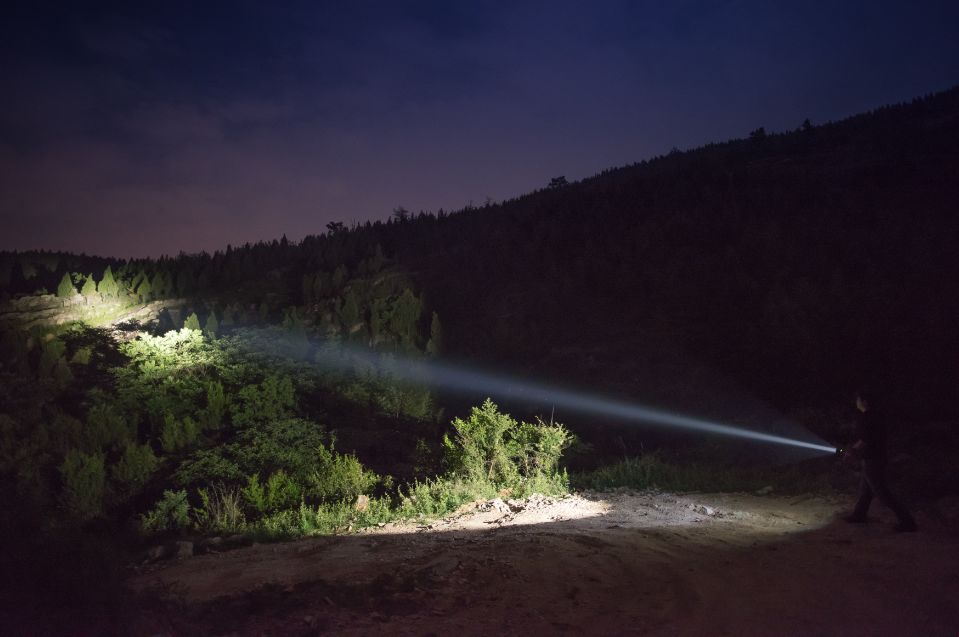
[{"x": 597, "y": 564}]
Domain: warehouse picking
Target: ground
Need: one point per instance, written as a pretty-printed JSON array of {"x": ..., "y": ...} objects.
[{"x": 605, "y": 564}]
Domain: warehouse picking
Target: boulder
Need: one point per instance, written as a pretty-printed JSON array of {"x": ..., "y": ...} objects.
[
  {"x": 183, "y": 549},
  {"x": 159, "y": 552},
  {"x": 362, "y": 503}
]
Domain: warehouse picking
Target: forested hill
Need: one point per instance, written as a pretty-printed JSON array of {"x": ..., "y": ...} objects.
[{"x": 800, "y": 263}]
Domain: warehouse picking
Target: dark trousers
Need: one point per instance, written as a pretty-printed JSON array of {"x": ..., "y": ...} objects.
[{"x": 873, "y": 483}]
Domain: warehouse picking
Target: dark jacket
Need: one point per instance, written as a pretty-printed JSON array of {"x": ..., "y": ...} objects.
[{"x": 871, "y": 430}]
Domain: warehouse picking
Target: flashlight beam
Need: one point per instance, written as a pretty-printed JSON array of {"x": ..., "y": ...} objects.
[{"x": 451, "y": 377}]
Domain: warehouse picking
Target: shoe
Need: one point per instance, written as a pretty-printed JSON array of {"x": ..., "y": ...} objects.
[
  {"x": 855, "y": 519},
  {"x": 906, "y": 527}
]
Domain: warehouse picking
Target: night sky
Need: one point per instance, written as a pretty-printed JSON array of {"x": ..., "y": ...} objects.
[{"x": 142, "y": 129}]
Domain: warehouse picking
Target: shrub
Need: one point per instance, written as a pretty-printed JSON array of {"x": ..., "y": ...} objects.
[
  {"x": 215, "y": 410},
  {"x": 270, "y": 400},
  {"x": 491, "y": 448},
  {"x": 134, "y": 468},
  {"x": 171, "y": 513},
  {"x": 339, "y": 477},
  {"x": 282, "y": 492},
  {"x": 84, "y": 482},
  {"x": 220, "y": 510},
  {"x": 177, "y": 434},
  {"x": 478, "y": 450},
  {"x": 105, "y": 426}
]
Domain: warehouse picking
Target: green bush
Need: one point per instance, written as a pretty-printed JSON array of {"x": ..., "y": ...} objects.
[
  {"x": 134, "y": 468},
  {"x": 492, "y": 448},
  {"x": 177, "y": 434},
  {"x": 171, "y": 513},
  {"x": 339, "y": 477},
  {"x": 84, "y": 484},
  {"x": 106, "y": 427},
  {"x": 282, "y": 492},
  {"x": 270, "y": 400}
]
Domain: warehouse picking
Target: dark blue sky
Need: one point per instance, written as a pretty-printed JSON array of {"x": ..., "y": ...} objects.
[{"x": 141, "y": 128}]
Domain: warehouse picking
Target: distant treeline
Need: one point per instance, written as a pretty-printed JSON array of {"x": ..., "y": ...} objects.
[{"x": 803, "y": 262}]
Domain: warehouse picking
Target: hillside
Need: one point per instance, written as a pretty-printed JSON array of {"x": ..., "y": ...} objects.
[{"x": 264, "y": 392}]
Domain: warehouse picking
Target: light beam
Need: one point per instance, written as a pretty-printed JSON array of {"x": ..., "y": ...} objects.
[{"x": 452, "y": 377}]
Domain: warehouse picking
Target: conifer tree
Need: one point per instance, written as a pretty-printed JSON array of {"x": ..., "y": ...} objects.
[
  {"x": 340, "y": 274},
  {"x": 145, "y": 290},
  {"x": 212, "y": 326},
  {"x": 108, "y": 285},
  {"x": 66, "y": 290},
  {"x": 192, "y": 322},
  {"x": 435, "y": 344},
  {"x": 89, "y": 286},
  {"x": 349, "y": 311}
]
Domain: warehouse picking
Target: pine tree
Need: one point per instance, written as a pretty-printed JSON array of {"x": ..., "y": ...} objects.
[
  {"x": 212, "y": 326},
  {"x": 89, "y": 286},
  {"x": 108, "y": 285},
  {"x": 435, "y": 344},
  {"x": 192, "y": 322},
  {"x": 66, "y": 290},
  {"x": 145, "y": 290},
  {"x": 340, "y": 274},
  {"x": 349, "y": 311}
]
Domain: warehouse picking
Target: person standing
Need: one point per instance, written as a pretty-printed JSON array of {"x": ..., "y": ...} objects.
[{"x": 871, "y": 449}]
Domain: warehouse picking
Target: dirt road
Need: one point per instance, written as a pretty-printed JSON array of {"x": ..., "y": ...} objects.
[{"x": 603, "y": 564}]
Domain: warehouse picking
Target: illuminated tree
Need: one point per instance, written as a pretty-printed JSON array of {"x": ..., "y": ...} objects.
[
  {"x": 108, "y": 285},
  {"x": 89, "y": 286},
  {"x": 192, "y": 322},
  {"x": 66, "y": 290}
]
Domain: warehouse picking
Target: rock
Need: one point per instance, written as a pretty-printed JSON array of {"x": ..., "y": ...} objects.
[
  {"x": 362, "y": 503},
  {"x": 159, "y": 552},
  {"x": 515, "y": 505},
  {"x": 235, "y": 540},
  {"x": 765, "y": 490},
  {"x": 183, "y": 549},
  {"x": 215, "y": 541}
]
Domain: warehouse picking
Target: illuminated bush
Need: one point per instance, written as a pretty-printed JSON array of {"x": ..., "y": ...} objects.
[
  {"x": 339, "y": 477},
  {"x": 491, "y": 447},
  {"x": 171, "y": 513}
]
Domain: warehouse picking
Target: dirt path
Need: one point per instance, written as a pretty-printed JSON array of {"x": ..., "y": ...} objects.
[{"x": 609, "y": 564}]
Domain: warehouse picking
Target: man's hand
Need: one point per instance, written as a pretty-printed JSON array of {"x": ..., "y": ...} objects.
[{"x": 853, "y": 455}]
